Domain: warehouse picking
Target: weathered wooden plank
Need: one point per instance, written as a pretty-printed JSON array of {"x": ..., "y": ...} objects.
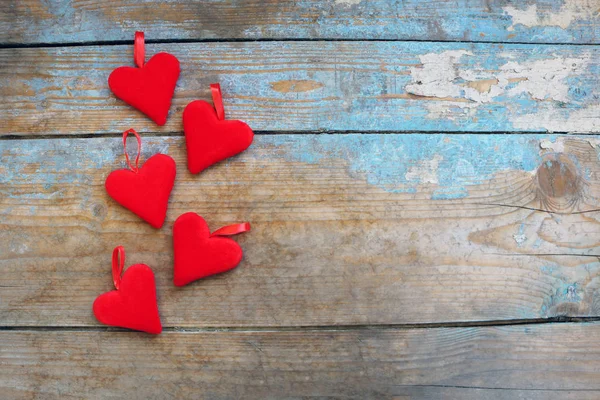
[
  {"x": 537, "y": 21},
  {"x": 554, "y": 361},
  {"x": 299, "y": 86},
  {"x": 347, "y": 229}
]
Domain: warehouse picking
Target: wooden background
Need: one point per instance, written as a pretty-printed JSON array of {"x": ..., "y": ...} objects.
[{"x": 424, "y": 191}]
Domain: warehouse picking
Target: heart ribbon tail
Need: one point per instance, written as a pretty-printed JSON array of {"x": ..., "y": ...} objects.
[
  {"x": 231, "y": 230},
  {"x": 217, "y": 96},
  {"x": 139, "y": 149},
  {"x": 118, "y": 263},
  {"x": 139, "y": 52}
]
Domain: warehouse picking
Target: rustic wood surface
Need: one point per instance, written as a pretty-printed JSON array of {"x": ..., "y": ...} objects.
[
  {"x": 531, "y": 362},
  {"x": 534, "y": 21},
  {"x": 415, "y": 251},
  {"x": 317, "y": 86},
  {"x": 455, "y": 228}
]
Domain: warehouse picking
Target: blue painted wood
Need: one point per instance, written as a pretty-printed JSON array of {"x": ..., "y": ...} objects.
[
  {"x": 313, "y": 86},
  {"x": 534, "y": 21},
  {"x": 350, "y": 229},
  {"x": 386, "y": 161}
]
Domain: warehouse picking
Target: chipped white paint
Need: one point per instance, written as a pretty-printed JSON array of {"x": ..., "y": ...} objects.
[
  {"x": 541, "y": 79},
  {"x": 425, "y": 171},
  {"x": 450, "y": 110},
  {"x": 347, "y": 2},
  {"x": 436, "y": 76},
  {"x": 520, "y": 239},
  {"x": 462, "y": 90},
  {"x": 553, "y": 119},
  {"x": 570, "y": 11},
  {"x": 527, "y": 17},
  {"x": 557, "y": 146}
]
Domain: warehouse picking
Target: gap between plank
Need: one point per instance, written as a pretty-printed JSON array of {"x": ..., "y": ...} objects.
[
  {"x": 250, "y": 40},
  {"x": 312, "y": 328},
  {"x": 313, "y": 132},
  {"x": 498, "y": 388}
]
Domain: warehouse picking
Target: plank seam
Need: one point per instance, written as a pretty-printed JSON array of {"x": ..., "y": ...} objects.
[
  {"x": 311, "y": 132},
  {"x": 501, "y": 388},
  {"x": 5, "y": 45},
  {"x": 310, "y": 328}
]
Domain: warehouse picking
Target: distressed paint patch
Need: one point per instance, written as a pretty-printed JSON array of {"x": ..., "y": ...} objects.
[
  {"x": 426, "y": 171},
  {"x": 68, "y": 160},
  {"x": 557, "y": 146},
  {"x": 347, "y": 2},
  {"x": 544, "y": 85},
  {"x": 570, "y": 11},
  {"x": 403, "y": 163},
  {"x": 442, "y": 76},
  {"x": 363, "y": 86},
  {"x": 446, "y": 164},
  {"x": 555, "y": 119},
  {"x": 436, "y": 75},
  {"x": 520, "y": 236}
]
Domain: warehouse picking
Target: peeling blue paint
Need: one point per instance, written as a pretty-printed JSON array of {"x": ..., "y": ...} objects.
[
  {"x": 65, "y": 160},
  {"x": 361, "y": 86},
  {"x": 385, "y": 160},
  {"x": 445, "y": 164}
]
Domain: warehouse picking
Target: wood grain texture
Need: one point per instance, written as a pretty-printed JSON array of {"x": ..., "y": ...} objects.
[
  {"x": 347, "y": 229},
  {"x": 531, "y": 362},
  {"x": 312, "y": 86},
  {"x": 536, "y": 21}
]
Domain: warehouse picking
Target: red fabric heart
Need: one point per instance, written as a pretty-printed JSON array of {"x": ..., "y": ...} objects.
[
  {"x": 149, "y": 88},
  {"x": 209, "y": 139},
  {"x": 133, "y": 305},
  {"x": 145, "y": 192},
  {"x": 197, "y": 254}
]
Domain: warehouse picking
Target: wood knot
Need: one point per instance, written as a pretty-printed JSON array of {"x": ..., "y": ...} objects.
[
  {"x": 559, "y": 182},
  {"x": 99, "y": 211}
]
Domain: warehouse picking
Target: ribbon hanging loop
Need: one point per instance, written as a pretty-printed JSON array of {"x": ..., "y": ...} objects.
[
  {"x": 217, "y": 96},
  {"x": 139, "y": 52},
  {"x": 118, "y": 263},
  {"x": 139, "y": 149}
]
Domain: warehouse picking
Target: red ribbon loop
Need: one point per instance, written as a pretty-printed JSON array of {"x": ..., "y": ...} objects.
[
  {"x": 138, "y": 49},
  {"x": 139, "y": 149},
  {"x": 231, "y": 230},
  {"x": 118, "y": 262},
  {"x": 218, "y": 100}
]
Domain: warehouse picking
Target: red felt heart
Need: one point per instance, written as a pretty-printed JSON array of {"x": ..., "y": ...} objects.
[
  {"x": 149, "y": 88},
  {"x": 196, "y": 254},
  {"x": 133, "y": 305},
  {"x": 210, "y": 140},
  {"x": 145, "y": 192}
]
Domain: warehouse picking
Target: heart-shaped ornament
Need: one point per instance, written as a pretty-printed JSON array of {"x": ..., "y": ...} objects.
[
  {"x": 150, "y": 86},
  {"x": 133, "y": 304},
  {"x": 198, "y": 253},
  {"x": 209, "y": 137},
  {"x": 145, "y": 191}
]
